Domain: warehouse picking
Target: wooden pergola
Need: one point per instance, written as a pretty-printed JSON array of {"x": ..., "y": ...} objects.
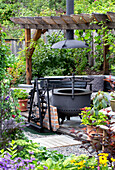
[{"x": 63, "y": 22}]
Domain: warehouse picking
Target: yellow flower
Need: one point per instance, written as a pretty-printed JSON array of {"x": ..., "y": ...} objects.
[
  {"x": 103, "y": 154},
  {"x": 112, "y": 159},
  {"x": 103, "y": 160},
  {"x": 80, "y": 167},
  {"x": 80, "y": 163},
  {"x": 72, "y": 161}
]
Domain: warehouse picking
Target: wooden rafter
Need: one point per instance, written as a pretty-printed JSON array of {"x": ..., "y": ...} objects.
[{"x": 63, "y": 22}]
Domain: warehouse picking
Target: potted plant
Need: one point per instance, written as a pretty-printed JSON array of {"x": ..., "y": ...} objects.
[
  {"x": 22, "y": 96},
  {"x": 92, "y": 117},
  {"x": 112, "y": 84}
]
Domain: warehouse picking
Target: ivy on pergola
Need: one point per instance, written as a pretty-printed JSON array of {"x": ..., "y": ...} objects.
[{"x": 63, "y": 22}]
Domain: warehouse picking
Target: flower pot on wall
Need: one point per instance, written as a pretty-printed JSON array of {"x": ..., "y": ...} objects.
[
  {"x": 112, "y": 102},
  {"x": 96, "y": 140},
  {"x": 93, "y": 130},
  {"x": 23, "y": 105}
]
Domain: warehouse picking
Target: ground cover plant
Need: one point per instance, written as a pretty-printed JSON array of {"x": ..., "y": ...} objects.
[{"x": 21, "y": 154}]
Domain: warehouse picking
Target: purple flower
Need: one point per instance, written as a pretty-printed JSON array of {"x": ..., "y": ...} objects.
[
  {"x": 31, "y": 152},
  {"x": 7, "y": 98},
  {"x": 38, "y": 162},
  {"x": 33, "y": 159},
  {"x": 27, "y": 160},
  {"x": 32, "y": 166},
  {"x": 18, "y": 159},
  {"x": 45, "y": 167}
]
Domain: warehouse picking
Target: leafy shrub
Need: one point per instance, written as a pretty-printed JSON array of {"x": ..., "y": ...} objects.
[
  {"x": 4, "y": 53},
  {"x": 16, "y": 69},
  {"x": 12, "y": 158},
  {"x": 11, "y": 121},
  {"x": 47, "y": 61},
  {"x": 20, "y": 94}
]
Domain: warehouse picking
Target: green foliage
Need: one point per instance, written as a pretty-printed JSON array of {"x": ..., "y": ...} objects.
[
  {"x": 89, "y": 117},
  {"x": 4, "y": 53},
  {"x": 93, "y": 116},
  {"x": 47, "y": 61},
  {"x": 100, "y": 101},
  {"x": 96, "y": 6},
  {"x": 13, "y": 156},
  {"x": 11, "y": 121},
  {"x": 16, "y": 68},
  {"x": 20, "y": 94},
  {"x": 28, "y": 148},
  {"x": 113, "y": 70}
]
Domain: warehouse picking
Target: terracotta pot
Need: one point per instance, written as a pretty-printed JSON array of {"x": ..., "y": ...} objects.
[
  {"x": 23, "y": 105},
  {"x": 96, "y": 140},
  {"x": 112, "y": 102},
  {"x": 93, "y": 130}
]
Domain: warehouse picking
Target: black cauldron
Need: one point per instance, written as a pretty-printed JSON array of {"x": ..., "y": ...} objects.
[{"x": 69, "y": 104}]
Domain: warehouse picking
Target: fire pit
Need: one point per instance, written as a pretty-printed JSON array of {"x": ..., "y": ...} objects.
[{"x": 69, "y": 104}]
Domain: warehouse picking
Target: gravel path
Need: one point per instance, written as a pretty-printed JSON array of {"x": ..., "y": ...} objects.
[{"x": 65, "y": 150}]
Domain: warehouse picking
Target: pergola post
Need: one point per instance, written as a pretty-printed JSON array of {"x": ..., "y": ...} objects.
[
  {"x": 106, "y": 61},
  {"x": 28, "y": 57},
  {"x": 0, "y": 33}
]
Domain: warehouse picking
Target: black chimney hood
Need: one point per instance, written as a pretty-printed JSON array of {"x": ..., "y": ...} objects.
[{"x": 70, "y": 42}]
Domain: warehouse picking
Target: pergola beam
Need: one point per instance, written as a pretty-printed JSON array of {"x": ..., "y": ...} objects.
[{"x": 63, "y": 22}]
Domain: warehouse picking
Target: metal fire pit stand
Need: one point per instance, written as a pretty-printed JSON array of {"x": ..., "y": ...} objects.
[
  {"x": 43, "y": 102},
  {"x": 38, "y": 121}
]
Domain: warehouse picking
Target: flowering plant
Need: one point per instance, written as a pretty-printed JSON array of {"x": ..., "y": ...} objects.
[
  {"x": 84, "y": 162},
  {"x": 15, "y": 157},
  {"x": 89, "y": 117},
  {"x": 112, "y": 84},
  {"x": 11, "y": 121}
]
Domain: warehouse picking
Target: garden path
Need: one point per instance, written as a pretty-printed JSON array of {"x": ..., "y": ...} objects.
[{"x": 65, "y": 135}]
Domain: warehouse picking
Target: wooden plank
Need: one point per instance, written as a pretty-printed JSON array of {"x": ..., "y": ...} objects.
[
  {"x": 25, "y": 20},
  {"x": 17, "y": 20},
  {"x": 67, "y": 19},
  {"x": 40, "y": 21},
  {"x": 58, "y": 20},
  {"x": 66, "y": 22},
  {"x": 0, "y": 33},
  {"x": 78, "y": 18},
  {"x": 111, "y": 16},
  {"x": 49, "y": 20},
  {"x": 57, "y": 141},
  {"x": 106, "y": 60},
  {"x": 28, "y": 58},
  {"x": 68, "y": 26},
  {"x": 100, "y": 17},
  {"x": 88, "y": 18},
  {"x": 32, "y": 20}
]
